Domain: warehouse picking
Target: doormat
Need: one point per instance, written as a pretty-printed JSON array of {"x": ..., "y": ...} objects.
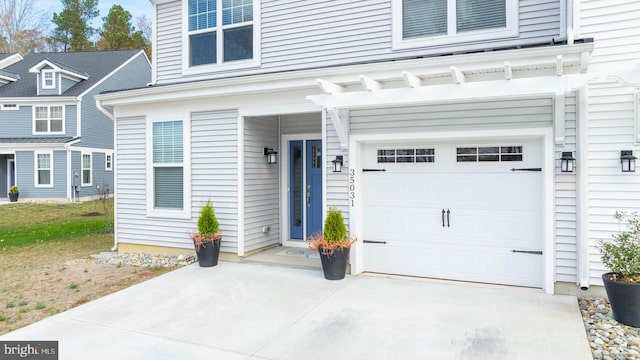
[{"x": 300, "y": 253}]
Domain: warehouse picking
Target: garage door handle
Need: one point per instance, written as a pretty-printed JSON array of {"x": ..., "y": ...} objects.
[
  {"x": 527, "y": 252},
  {"x": 443, "y": 217},
  {"x": 448, "y": 223}
]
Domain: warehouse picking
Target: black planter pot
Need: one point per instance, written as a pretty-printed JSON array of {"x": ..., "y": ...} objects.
[
  {"x": 208, "y": 253},
  {"x": 334, "y": 265},
  {"x": 13, "y": 197},
  {"x": 624, "y": 299}
]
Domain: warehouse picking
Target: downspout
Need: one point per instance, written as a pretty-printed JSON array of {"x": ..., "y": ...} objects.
[
  {"x": 582, "y": 185},
  {"x": 569, "y": 15},
  {"x": 115, "y": 169},
  {"x": 154, "y": 44}
]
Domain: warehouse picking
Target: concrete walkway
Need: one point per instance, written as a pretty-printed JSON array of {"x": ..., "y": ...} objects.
[{"x": 248, "y": 311}]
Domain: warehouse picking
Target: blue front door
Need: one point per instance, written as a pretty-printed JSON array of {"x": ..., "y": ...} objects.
[
  {"x": 305, "y": 188},
  {"x": 12, "y": 173}
]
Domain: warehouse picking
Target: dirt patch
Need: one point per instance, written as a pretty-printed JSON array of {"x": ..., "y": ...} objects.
[
  {"x": 41, "y": 281},
  {"x": 92, "y": 214}
]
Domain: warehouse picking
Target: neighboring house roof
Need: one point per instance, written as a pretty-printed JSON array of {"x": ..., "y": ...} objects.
[
  {"x": 38, "y": 140},
  {"x": 4, "y": 56},
  {"x": 9, "y": 75},
  {"x": 58, "y": 66},
  {"x": 94, "y": 65}
]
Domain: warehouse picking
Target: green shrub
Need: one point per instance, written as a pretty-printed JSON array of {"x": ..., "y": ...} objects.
[
  {"x": 208, "y": 225},
  {"x": 13, "y": 189},
  {"x": 621, "y": 254},
  {"x": 334, "y": 228}
]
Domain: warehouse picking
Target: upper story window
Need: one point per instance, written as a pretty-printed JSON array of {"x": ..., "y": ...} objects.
[
  {"x": 222, "y": 33},
  {"x": 420, "y": 23},
  {"x": 48, "y": 119},
  {"x": 48, "y": 79}
]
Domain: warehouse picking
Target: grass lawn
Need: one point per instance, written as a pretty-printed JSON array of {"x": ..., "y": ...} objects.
[{"x": 45, "y": 267}]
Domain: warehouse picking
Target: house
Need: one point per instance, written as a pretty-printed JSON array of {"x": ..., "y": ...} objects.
[
  {"x": 55, "y": 144},
  {"x": 478, "y": 140}
]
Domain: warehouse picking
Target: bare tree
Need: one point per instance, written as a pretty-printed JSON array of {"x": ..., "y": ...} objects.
[{"x": 22, "y": 27}]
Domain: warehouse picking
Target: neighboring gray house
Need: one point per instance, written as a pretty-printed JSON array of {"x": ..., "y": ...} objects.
[
  {"x": 54, "y": 142},
  {"x": 451, "y": 119}
]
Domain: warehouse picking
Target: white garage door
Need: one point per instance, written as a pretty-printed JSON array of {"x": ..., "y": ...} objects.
[{"x": 455, "y": 211}]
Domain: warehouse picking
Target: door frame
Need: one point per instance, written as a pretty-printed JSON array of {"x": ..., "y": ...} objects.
[
  {"x": 9, "y": 161},
  {"x": 285, "y": 240},
  {"x": 548, "y": 173}
]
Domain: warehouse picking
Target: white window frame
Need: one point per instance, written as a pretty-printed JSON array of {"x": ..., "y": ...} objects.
[
  {"x": 185, "y": 212},
  {"x": 220, "y": 65},
  {"x": 108, "y": 161},
  {"x": 10, "y": 107},
  {"x": 48, "y": 132},
  {"x": 36, "y": 169},
  {"x": 44, "y": 79},
  {"x": 90, "y": 183},
  {"x": 398, "y": 43}
]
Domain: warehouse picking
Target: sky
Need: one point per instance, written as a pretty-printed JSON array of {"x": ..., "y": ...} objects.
[{"x": 137, "y": 8}]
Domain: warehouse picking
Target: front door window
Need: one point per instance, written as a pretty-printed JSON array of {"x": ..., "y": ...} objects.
[{"x": 305, "y": 188}]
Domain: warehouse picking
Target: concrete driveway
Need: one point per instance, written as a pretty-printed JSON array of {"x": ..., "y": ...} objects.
[{"x": 247, "y": 311}]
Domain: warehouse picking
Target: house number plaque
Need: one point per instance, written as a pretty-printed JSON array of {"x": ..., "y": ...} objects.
[{"x": 352, "y": 186}]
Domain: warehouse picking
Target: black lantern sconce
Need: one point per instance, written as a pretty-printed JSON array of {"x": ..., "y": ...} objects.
[
  {"x": 567, "y": 162},
  {"x": 272, "y": 156},
  {"x": 337, "y": 163},
  {"x": 627, "y": 161}
]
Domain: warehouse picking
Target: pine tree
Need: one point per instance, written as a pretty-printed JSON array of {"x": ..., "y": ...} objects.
[
  {"x": 73, "y": 32},
  {"x": 119, "y": 34}
]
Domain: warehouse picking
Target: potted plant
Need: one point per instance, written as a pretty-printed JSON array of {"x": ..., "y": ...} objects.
[
  {"x": 621, "y": 255},
  {"x": 13, "y": 193},
  {"x": 208, "y": 237},
  {"x": 333, "y": 245}
]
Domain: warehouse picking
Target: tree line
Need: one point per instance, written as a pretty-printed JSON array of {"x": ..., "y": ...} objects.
[{"x": 24, "y": 28}]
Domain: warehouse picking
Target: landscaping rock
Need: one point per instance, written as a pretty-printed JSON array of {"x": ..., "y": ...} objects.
[{"x": 608, "y": 339}]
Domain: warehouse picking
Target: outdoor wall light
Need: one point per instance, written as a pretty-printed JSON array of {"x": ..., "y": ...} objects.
[
  {"x": 272, "y": 156},
  {"x": 627, "y": 161},
  {"x": 567, "y": 162},
  {"x": 337, "y": 163}
]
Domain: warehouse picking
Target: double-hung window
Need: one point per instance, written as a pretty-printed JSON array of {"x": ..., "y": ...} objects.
[
  {"x": 108, "y": 161},
  {"x": 168, "y": 165},
  {"x": 221, "y": 32},
  {"x": 86, "y": 169},
  {"x": 48, "y": 119},
  {"x": 43, "y": 170},
  {"x": 48, "y": 79},
  {"x": 442, "y": 22}
]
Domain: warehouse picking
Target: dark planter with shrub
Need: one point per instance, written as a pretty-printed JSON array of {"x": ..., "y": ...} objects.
[
  {"x": 13, "y": 197},
  {"x": 624, "y": 299},
  {"x": 208, "y": 253},
  {"x": 334, "y": 264}
]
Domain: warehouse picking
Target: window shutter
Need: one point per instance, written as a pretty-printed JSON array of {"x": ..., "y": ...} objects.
[
  {"x": 480, "y": 14},
  {"x": 169, "y": 187},
  {"x": 424, "y": 18}
]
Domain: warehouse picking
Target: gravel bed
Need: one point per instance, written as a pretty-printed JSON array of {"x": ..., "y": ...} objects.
[
  {"x": 146, "y": 260},
  {"x": 608, "y": 339}
]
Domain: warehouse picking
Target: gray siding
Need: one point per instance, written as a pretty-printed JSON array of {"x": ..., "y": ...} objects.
[
  {"x": 98, "y": 175},
  {"x": 566, "y": 203},
  {"x": 67, "y": 83},
  {"x": 101, "y": 177},
  {"x": 214, "y": 172},
  {"x": 261, "y": 193},
  {"x": 314, "y": 33},
  {"x": 19, "y": 123},
  {"x": 97, "y": 129},
  {"x": 310, "y": 123},
  {"x": 25, "y": 173}
]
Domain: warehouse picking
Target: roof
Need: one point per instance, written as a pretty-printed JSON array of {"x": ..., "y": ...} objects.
[
  {"x": 4, "y": 55},
  {"x": 95, "y": 64},
  {"x": 61, "y": 67},
  {"x": 8, "y": 74},
  {"x": 38, "y": 140}
]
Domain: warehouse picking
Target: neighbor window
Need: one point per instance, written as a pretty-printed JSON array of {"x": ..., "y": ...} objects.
[
  {"x": 86, "y": 169},
  {"x": 48, "y": 79},
  {"x": 48, "y": 119},
  {"x": 220, "y": 31},
  {"x": 439, "y": 22},
  {"x": 168, "y": 166},
  {"x": 108, "y": 162},
  {"x": 44, "y": 170}
]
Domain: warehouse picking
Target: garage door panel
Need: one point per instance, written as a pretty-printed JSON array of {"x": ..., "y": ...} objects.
[{"x": 492, "y": 211}]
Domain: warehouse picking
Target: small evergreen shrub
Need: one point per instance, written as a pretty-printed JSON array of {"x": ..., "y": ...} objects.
[
  {"x": 208, "y": 225},
  {"x": 334, "y": 228}
]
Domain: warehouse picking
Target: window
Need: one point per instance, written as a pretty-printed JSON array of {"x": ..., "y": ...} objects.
[
  {"x": 441, "y": 22},
  {"x": 489, "y": 154},
  {"x": 168, "y": 167},
  {"x": 44, "y": 170},
  {"x": 221, "y": 32},
  {"x": 48, "y": 119},
  {"x": 48, "y": 79},
  {"x": 86, "y": 169},
  {"x": 108, "y": 162},
  {"x": 417, "y": 155}
]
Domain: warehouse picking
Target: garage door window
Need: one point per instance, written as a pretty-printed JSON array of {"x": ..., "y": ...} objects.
[
  {"x": 489, "y": 154},
  {"x": 414, "y": 155}
]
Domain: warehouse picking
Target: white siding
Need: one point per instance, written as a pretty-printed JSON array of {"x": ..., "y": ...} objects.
[
  {"x": 301, "y": 34},
  {"x": 566, "y": 203},
  {"x": 611, "y": 129},
  {"x": 261, "y": 194},
  {"x": 214, "y": 170},
  {"x": 337, "y": 183},
  {"x": 310, "y": 123},
  {"x": 133, "y": 226}
]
